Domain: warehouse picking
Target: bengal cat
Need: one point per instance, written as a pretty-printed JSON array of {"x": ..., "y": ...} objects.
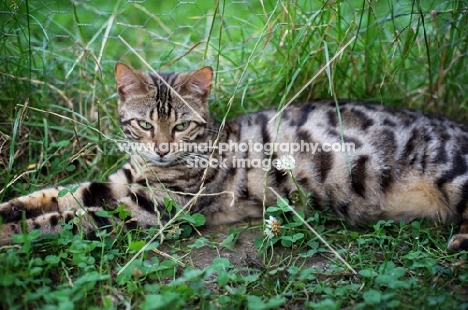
[{"x": 404, "y": 164}]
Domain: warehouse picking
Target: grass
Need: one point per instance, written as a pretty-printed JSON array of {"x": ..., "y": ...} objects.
[{"x": 59, "y": 113}]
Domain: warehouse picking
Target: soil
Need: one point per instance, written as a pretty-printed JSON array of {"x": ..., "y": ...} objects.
[{"x": 243, "y": 252}]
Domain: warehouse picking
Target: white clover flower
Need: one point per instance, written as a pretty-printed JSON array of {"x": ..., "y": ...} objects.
[
  {"x": 268, "y": 233},
  {"x": 270, "y": 221},
  {"x": 286, "y": 162},
  {"x": 80, "y": 212},
  {"x": 273, "y": 227}
]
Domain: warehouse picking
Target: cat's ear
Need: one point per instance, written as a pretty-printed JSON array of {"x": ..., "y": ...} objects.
[
  {"x": 128, "y": 81},
  {"x": 200, "y": 82}
]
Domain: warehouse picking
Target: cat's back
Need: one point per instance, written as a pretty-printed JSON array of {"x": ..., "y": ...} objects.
[
  {"x": 398, "y": 131},
  {"x": 367, "y": 161}
]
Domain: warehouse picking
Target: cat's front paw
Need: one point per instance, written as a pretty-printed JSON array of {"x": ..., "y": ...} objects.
[
  {"x": 458, "y": 242},
  {"x": 33, "y": 205},
  {"x": 11, "y": 211}
]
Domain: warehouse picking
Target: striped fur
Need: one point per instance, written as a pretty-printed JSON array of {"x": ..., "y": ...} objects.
[{"x": 405, "y": 164}]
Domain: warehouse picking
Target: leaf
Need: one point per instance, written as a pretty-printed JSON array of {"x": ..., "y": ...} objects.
[
  {"x": 62, "y": 192},
  {"x": 226, "y": 242},
  {"x": 313, "y": 244},
  {"x": 165, "y": 300},
  {"x": 18, "y": 238},
  {"x": 256, "y": 302},
  {"x": 221, "y": 263},
  {"x": 69, "y": 189},
  {"x": 286, "y": 242},
  {"x": 167, "y": 264},
  {"x": 354, "y": 234},
  {"x": 293, "y": 270},
  {"x": 191, "y": 275},
  {"x": 272, "y": 209},
  {"x": 372, "y": 297},
  {"x": 223, "y": 278},
  {"x": 224, "y": 300},
  {"x": 80, "y": 27},
  {"x": 52, "y": 259},
  {"x": 298, "y": 219},
  {"x": 35, "y": 271},
  {"x": 124, "y": 214},
  {"x": 309, "y": 253},
  {"x": 368, "y": 273},
  {"x": 307, "y": 274},
  {"x": 297, "y": 237},
  {"x": 186, "y": 231},
  {"x": 414, "y": 255},
  {"x": 320, "y": 228},
  {"x": 59, "y": 144},
  {"x": 385, "y": 267},
  {"x": 89, "y": 280},
  {"x": 200, "y": 242},
  {"x": 409, "y": 41},
  {"x": 136, "y": 245},
  {"x": 397, "y": 272},
  {"x": 424, "y": 263},
  {"x": 251, "y": 277},
  {"x": 292, "y": 224},
  {"x": 258, "y": 243},
  {"x": 282, "y": 202},
  {"x": 152, "y": 288},
  {"x": 34, "y": 234},
  {"x": 169, "y": 204},
  {"x": 102, "y": 213},
  {"x": 187, "y": 218},
  {"x": 275, "y": 302},
  {"x": 7, "y": 279},
  {"x": 325, "y": 304},
  {"x": 199, "y": 219}
]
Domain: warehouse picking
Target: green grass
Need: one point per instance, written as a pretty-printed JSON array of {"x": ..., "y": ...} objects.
[{"x": 58, "y": 107}]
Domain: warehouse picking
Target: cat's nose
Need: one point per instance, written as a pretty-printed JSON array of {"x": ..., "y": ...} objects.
[
  {"x": 162, "y": 153},
  {"x": 162, "y": 148}
]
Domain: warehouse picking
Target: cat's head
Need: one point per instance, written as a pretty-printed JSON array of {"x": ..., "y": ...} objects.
[{"x": 156, "y": 115}]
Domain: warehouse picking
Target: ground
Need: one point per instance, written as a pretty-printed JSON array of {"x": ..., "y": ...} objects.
[{"x": 242, "y": 252}]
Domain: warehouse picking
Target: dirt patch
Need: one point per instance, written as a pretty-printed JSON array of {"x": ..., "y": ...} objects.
[{"x": 243, "y": 252}]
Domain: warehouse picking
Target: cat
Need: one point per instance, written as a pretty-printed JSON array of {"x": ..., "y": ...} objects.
[{"x": 401, "y": 164}]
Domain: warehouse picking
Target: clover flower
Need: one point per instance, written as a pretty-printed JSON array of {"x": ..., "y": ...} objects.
[
  {"x": 80, "y": 212},
  {"x": 286, "y": 162},
  {"x": 273, "y": 227},
  {"x": 268, "y": 233}
]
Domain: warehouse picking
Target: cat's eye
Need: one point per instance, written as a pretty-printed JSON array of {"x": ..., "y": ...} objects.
[
  {"x": 182, "y": 126},
  {"x": 144, "y": 124}
]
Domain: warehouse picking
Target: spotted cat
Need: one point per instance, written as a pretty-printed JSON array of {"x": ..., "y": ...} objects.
[{"x": 403, "y": 164}]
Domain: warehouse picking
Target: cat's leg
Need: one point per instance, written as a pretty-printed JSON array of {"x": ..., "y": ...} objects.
[
  {"x": 49, "y": 223},
  {"x": 460, "y": 241},
  {"x": 61, "y": 199},
  {"x": 89, "y": 221},
  {"x": 47, "y": 209},
  {"x": 34, "y": 204},
  {"x": 85, "y": 195}
]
